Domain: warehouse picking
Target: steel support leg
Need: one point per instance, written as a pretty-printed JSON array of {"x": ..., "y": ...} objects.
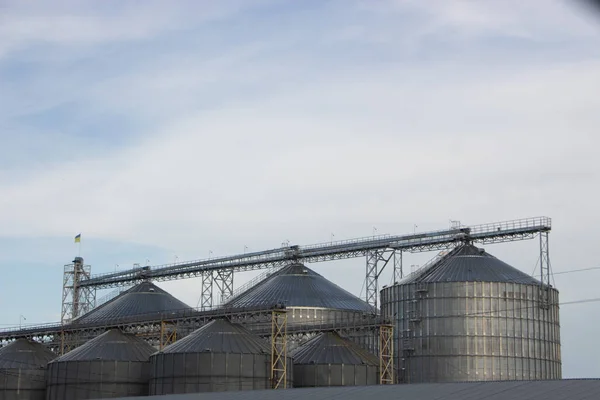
[
  {"x": 386, "y": 355},
  {"x": 279, "y": 350},
  {"x": 398, "y": 273},
  {"x": 206, "y": 300},
  {"x": 544, "y": 269},
  {"x": 372, "y": 274},
  {"x": 68, "y": 341},
  {"x": 224, "y": 281},
  {"x": 168, "y": 334}
]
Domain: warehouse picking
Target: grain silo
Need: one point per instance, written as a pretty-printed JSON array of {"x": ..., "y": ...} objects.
[
  {"x": 330, "y": 360},
  {"x": 220, "y": 356},
  {"x": 23, "y": 370},
  {"x": 310, "y": 300},
  {"x": 469, "y": 316},
  {"x": 142, "y": 300},
  {"x": 113, "y": 364}
]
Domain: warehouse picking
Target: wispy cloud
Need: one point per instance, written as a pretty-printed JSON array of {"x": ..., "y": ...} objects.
[
  {"x": 71, "y": 23},
  {"x": 212, "y": 125}
]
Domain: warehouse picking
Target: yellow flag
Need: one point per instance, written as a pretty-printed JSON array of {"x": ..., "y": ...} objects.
[{"x": 78, "y": 238}]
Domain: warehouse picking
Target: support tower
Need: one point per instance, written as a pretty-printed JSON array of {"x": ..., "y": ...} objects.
[{"x": 76, "y": 299}]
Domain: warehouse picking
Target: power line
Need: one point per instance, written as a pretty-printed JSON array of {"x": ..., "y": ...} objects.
[{"x": 576, "y": 270}]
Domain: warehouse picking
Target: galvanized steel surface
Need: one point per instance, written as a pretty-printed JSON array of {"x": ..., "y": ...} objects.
[
  {"x": 78, "y": 380},
  {"x": 298, "y": 285},
  {"x": 23, "y": 370},
  {"x": 112, "y": 345},
  {"x": 23, "y": 353},
  {"x": 142, "y": 299},
  {"x": 330, "y": 360},
  {"x": 209, "y": 372},
  {"x": 473, "y": 331},
  {"x": 220, "y": 356},
  {"x": 111, "y": 365},
  {"x": 331, "y": 348},
  {"x": 335, "y": 375},
  {"x": 470, "y": 264},
  {"x": 220, "y": 336},
  {"x": 572, "y": 389}
]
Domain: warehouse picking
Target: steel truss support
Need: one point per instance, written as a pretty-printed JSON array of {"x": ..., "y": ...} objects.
[
  {"x": 76, "y": 299},
  {"x": 398, "y": 273},
  {"x": 371, "y": 277},
  {"x": 279, "y": 349},
  {"x": 68, "y": 341},
  {"x": 206, "y": 296},
  {"x": 224, "y": 281},
  {"x": 386, "y": 355},
  {"x": 544, "y": 269},
  {"x": 168, "y": 334},
  {"x": 373, "y": 272}
]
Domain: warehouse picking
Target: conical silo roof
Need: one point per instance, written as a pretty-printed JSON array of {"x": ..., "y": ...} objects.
[
  {"x": 23, "y": 353},
  {"x": 331, "y": 348},
  {"x": 220, "y": 336},
  {"x": 142, "y": 299},
  {"x": 112, "y": 345},
  {"x": 468, "y": 263},
  {"x": 298, "y": 286}
]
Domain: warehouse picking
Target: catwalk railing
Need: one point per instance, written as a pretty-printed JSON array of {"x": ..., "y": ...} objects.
[
  {"x": 259, "y": 318},
  {"x": 417, "y": 242}
]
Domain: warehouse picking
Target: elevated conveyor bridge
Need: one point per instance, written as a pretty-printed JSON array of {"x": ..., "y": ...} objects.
[{"x": 379, "y": 251}]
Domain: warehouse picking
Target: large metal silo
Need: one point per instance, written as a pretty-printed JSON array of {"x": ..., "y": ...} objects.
[
  {"x": 220, "y": 356},
  {"x": 23, "y": 370},
  {"x": 471, "y": 317},
  {"x": 113, "y": 364},
  {"x": 330, "y": 360},
  {"x": 311, "y": 300},
  {"x": 142, "y": 301}
]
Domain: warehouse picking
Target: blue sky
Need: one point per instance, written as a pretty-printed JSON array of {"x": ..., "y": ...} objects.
[{"x": 189, "y": 127}]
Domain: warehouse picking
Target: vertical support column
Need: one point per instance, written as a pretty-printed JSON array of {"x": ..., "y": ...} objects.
[
  {"x": 67, "y": 296},
  {"x": 544, "y": 270},
  {"x": 279, "y": 349},
  {"x": 386, "y": 355},
  {"x": 87, "y": 299},
  {"x": 206, "y": 296},
  {"x": 224, "y": 281},
  {"x": 68, "y": 341},
  {"x": 398, "y": 273},
  {"x": 372, "y": 274},
  {"x": 76, "y": 278},
  {"x": 62, "y": 342},
  {"x": 168, "y": 334},
  {"x": 76, "y": 300}
]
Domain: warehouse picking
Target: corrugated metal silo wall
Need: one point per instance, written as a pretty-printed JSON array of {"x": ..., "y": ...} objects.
[
  {"x": 174, "y": 373},
  {"x": 318, "y": 375},
  {"x": 76, "y": 380},
  {"x": 473, "y": 331},
  {"x": 22, "y": 384}
]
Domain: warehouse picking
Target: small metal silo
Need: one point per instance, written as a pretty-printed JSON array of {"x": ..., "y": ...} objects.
[
  {"x": 113, "y": 364},
  {"x": 468, "y": 316},
  {"x": 220, "y": 356},
  {"x": 330, "y": 360},
  {"x": 23, "y": 370}
]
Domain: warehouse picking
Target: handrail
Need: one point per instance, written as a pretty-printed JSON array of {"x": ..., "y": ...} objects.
[
  {"x": 253, "y": 282},
  {"x": 507, "y": 230}
]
